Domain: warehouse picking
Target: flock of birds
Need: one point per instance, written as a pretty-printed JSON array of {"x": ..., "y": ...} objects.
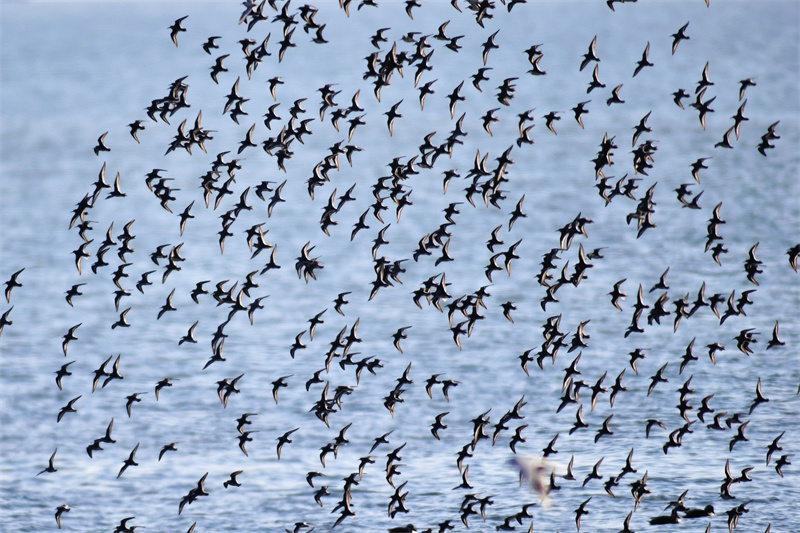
[{"x": 485, "y": 183}]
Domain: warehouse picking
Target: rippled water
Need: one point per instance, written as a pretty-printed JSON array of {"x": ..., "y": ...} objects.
[{"x": 71, "y": 71}]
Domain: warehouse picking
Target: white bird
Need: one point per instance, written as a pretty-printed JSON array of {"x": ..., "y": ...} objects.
[{"x": 536, "y": 471}]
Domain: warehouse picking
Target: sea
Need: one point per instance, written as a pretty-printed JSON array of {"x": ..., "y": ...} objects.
[{"x": 71, "y": 71}]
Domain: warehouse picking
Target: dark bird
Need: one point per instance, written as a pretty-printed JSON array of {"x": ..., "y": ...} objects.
[
  {"x": 391, "y": 115},
  {"x": 743, "y": 85},
  {"x": 590, "y": 56},
  {"x": 704, "y": 408},
  {"x": 696, "y": 166},
  {"x": 276, "y": 198},
  {"x": 232, "y": 481},
  {"x": 579, "y": 111},
  {"x": 739, "y": 437},
  {"x": 177, "y": 28},
  {"x": 507, "y": 308},
  {"x": 115, "y": 374},
  {"x": 644, "y": 61},
  {"x": 438, "y": 424},
  {"x": 101, "y": 145},
  {"x": 399, "y": 335},
  {"x": 382, "y": 439},
  {"x": 744, "y": 339},
  {"x": 782, "y": 461},
  {"x": 617, "y": 293},
  {"x": 489, "y": 45},
  {"x": 242, "y": 421},
  {"x": 657, "y": 378},
  {"x": 579, "y": 423},
  {"x": 144, "y": 281},
  {"x": 122, "y": 322},
  {"x": 642, "y": 127},
  {"x": 679, "y": 95},
  {"x": 322, "y": 491},
  {"x": 594, "y": 474},
  {"x": 61, "y": 373},
  {"x": 50, "y": 466},
  {"x": 12, "y": 283},
  {"x": 549, "y": 118},
  {"x": 479, "y": 77},
  {"x": 725, "y": 142},
  {"x": 116, "y": 191},
  {"x": 340, "y": 301},
  {"x": 537, "y": 70},
  {"x": 775, "y": 341},
  {"x": 131, "y": 399},
  {"x": 738, "y": 118},
  {"x": 650, "y": 423},
  {"x": 219, "y": 67},
  {"x": 679, "y": 36},
  {"x": 314, "y": 321},
  {"x": 73, "y": 292},
  {"x": 278, "y": 384},
  {"x": 598, "y": 388},
  {"x": 166, "y": 382},
  {"x": 4, "y": 321},
  {"x": 211, "y": 43},
  {"x": 489, "y": 118},
  {"x": 298, "y": 345},
  {"x": 704, "y": 80},
  {"x": 244, "y": 438},
  {"x": 284, "y": 439},
  {"x": 580, "y": 511},
  {"x": 703, "y": 108},
  {"x": 69, "y": 408},
  {"x": 751, "y": 265},
  {"x": 171, "y": 447},
  {"x": 672, "y": 518},
  {"x": 425, "y": 90},
  {"x": 464, "y": 481},
  {"x": 167, "y": 306},
  {"x": 706, "y": 511},
  {"x": 129, "y": 461},
  {"x": 616, "y": 388},
  {"x": 759, "y": 399},
  {"x": 194, "y": 493},
  {"x": 595, "y": 83},
  {"x": 615, "y": 99},
  {"x": 60, "y": 510},
  {"x": 661, "y": 285},
  {"x": 455, "y": 97},
  {"x": 793, "y": 254},
  {"x": 70, "y": 336},
  {"x": 189, "y": 337},
  {"x": 636, "y": 354},
  {"x": 717, "y": 424}
]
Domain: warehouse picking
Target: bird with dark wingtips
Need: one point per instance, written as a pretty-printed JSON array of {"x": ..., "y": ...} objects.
[
  {"x": 679, "y": 36},
  {"x": 50, "y": 466},
  {"x": 129, "y": 461},
  {"x": 60, "y": 510},
  {"x": 171, "y": 447},
  {"x": 69, "y": 408},
  {"x": 12, "y": 282},
  {"x": 177, "y": 28}
]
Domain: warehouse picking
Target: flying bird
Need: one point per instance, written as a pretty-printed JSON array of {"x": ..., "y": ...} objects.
[
  {"x": 50, "y": 466},
  {"x": 69, "y": 408},
  {"x": 129, "y": 461},
  {"x": 177, "y": 28},
  {"x": 536, "y": 472}
]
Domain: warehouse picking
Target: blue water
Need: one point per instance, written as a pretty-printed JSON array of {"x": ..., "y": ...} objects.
[{"x": 71, "y": 71}]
